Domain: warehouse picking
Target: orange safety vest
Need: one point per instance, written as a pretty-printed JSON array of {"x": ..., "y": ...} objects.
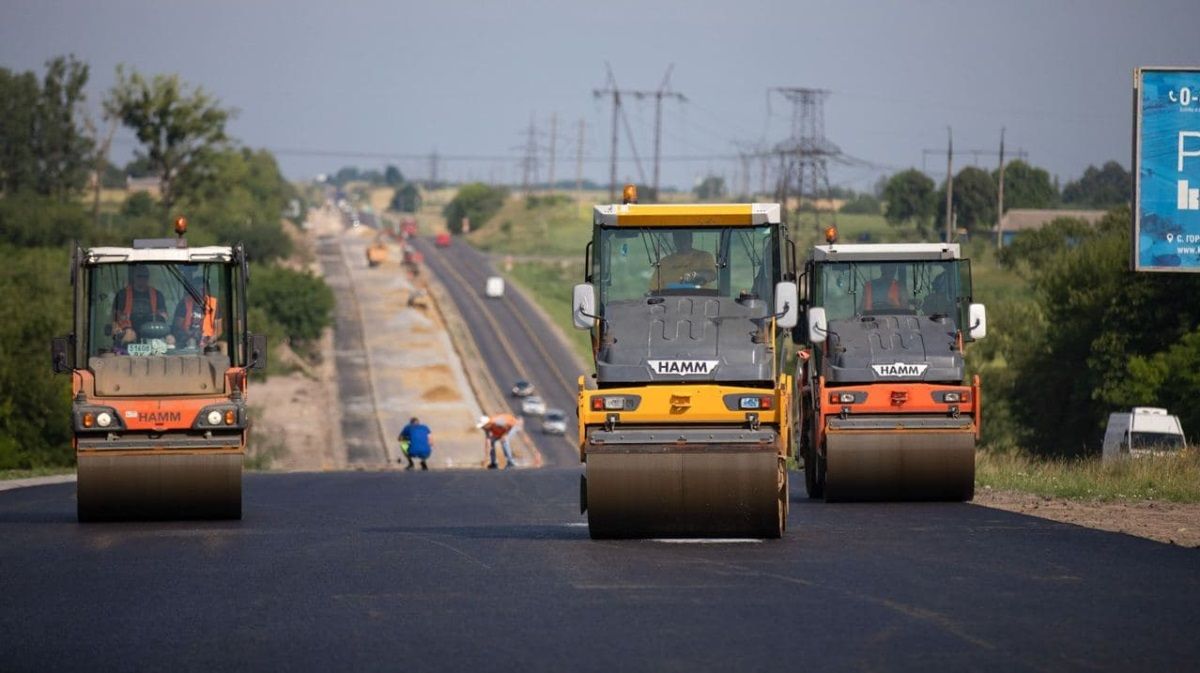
[
  {"x": 208, "y": 327},
  {"x": 893, "y": 296},
  {"x": 125, "y": 321},
  {"x": 500, "y": 425}
]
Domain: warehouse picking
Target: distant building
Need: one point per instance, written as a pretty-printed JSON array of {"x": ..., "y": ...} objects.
[
  {"x": 1025, "y": 219},
  {"x": 150, "y": 185}
]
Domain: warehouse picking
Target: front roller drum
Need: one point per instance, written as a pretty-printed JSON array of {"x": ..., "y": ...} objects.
[
  {"x": 900, "y": 465},
  {"x": 638, "y": 492},
  {"x": 160, "y": 485}
]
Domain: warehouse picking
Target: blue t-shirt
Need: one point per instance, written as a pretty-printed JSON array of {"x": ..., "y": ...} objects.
[{"x": 418, "y": 439}]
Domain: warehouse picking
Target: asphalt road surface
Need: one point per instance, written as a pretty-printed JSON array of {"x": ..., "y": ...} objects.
[
  {"x": 514, "y": 341},
  {"x": 361, "y": 433},
  {"x": 475, "y": 570}
]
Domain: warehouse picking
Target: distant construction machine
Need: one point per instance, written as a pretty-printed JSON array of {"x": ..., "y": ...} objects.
[
  {"x": 685, "y": 430},
  {"x": 885, "y": 412},
  {"x": 158, "y": 357}
]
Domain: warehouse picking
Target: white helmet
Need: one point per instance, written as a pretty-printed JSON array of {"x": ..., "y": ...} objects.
[{"x": 483, "y": 420}]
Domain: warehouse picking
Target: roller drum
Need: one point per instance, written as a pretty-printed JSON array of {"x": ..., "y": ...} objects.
[
  {"x": 658, "y": 492},
  {"x": 161, "y": 485},
  {"x": 904, "y": 465}
]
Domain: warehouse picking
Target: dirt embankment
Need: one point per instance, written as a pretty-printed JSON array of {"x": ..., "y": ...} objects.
[
  {"x": 1173, "y": 523},
  {"x": 296, "y": 424}
]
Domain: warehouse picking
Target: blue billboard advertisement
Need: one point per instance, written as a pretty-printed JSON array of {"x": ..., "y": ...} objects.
[{"x": 1166, "y": 208}]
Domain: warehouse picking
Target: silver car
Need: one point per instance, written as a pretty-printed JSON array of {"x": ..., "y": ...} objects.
[
  {"x": 554, "y": 422},
  {"x": 533, "y": 406}
]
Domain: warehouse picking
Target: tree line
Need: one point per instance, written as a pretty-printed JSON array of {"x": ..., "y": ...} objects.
[
  {"x": 51, "y": 145},
  {"x": 912, "y": 197}
]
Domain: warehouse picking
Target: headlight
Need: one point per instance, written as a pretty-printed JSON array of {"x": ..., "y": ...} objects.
[
  {"x": 951, "y": 397},
  {"x": 104, "y": 419},
  {"x": 214, "y": 417}
]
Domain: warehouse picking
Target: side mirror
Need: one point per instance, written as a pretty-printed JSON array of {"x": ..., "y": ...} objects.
[
  {"x": 60, "y": 354},
  {"x": 817, "y": 326},
  {"x": 977, "y": 321},
  {"x": 583, "y": 306},
  {"x": 258, "y": 352},
  {"x": 787, "y": 304}
]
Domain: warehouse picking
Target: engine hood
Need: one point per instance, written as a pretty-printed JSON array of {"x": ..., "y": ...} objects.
[
  {"x": 892, "y": 348},
  {"x": 684, "y": 338}
]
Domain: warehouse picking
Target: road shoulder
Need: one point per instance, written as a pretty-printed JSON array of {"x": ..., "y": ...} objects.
[{"x": 1168, "y": 522}]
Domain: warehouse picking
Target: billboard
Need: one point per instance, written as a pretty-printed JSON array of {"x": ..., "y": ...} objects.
[{"x": 1166, "y": 169}]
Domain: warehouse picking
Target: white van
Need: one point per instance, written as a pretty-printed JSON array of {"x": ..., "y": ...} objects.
[
  {"x": 494, "y": 287},
  {"x": 1142, "y": 432}
]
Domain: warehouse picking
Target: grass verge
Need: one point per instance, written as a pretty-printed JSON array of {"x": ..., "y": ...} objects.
[
  {"x": 35, "y": 472},
  {"x": 1171, "y": 478},
  {"x": 549, "y": 284}
]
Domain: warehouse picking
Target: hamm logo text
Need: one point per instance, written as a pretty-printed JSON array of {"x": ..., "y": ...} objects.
[
  {"x": 899, "y": 369},
  {"x": 683, "y": 367}
]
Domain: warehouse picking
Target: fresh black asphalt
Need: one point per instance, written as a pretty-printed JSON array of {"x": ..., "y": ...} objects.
[{"x": 476, "y": 570}]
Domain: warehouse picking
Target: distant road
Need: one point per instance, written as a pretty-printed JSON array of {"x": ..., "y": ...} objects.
[
  {"x": 472, "y": 570},
  {"x": 514, "y": 341},
  {"x": 365, "y": 444}
]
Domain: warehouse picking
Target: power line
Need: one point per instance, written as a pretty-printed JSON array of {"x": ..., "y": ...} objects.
[{"x": 663, "y": 91}]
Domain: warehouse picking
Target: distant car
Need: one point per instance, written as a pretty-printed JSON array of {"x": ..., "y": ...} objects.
[
  {"x": 442, "y": 240},
  {"x": 494, "y": 288},
  {"x": 522, "y": 389},
  {"x": 554, "y": 422},
  {"x": 533, "y": 406}
]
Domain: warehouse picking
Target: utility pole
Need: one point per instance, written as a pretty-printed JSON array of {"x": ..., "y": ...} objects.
[
  {"x": 950, "y": 186},
  {"x": 579, "y": 162},
  {"x": 1000, "y": 195},
  {"x": 433, "y": 169},
  {"x": 528, "y": 164},
  {"x": 611, "y": 89},
  {"x": 662, "y": 92},
  {"x": 553, "y": 138}
]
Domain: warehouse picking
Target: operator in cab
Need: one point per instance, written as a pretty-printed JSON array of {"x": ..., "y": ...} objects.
[
  {"x": 137, "y": 304},
  {"x": 684, "y": 268},
  {"x": 887, "y": 292},
  {"x": 197, "y": 324}
]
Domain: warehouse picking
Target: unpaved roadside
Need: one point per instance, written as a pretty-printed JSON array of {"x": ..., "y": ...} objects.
[
  {"x": 297, "y": 424},
  {"x": 1169, "y": 522}
]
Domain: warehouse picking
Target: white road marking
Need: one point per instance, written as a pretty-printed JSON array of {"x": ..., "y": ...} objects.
[{"x": 707, "y": 540}]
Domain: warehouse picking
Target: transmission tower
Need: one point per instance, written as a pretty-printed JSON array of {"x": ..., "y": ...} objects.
[{"x": 804, "y": 157}]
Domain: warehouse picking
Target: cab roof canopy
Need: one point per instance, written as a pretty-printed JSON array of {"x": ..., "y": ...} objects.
[
  {"x": 687, "y": 215},
  {"x": 113, "y": 255},
  {"x": 885, "y": 252}
]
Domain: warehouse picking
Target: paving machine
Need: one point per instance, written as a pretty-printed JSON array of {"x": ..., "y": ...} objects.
[
  {"x": 886, "y": 414},
  {"x": 158, "y": 357},
  {"x": 685, "y": 430}
]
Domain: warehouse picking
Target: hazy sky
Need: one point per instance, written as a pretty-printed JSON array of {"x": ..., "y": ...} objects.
[{"x": 465, "y": 77}]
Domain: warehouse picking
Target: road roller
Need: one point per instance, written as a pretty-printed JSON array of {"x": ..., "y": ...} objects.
[
  {"x": 158, "y": 357},
  {"x": 886, "y": 412},
  {"x": 684, "y": 428}
]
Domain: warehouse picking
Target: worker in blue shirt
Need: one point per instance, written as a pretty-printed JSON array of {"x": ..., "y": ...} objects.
[{"x": 420, "y": 446}]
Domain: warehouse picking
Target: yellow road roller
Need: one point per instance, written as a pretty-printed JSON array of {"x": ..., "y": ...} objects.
[
  {"x": 886, "y": 410},
  {"x": 684, "y": 430},
  {"x": 158, "y": 358}
]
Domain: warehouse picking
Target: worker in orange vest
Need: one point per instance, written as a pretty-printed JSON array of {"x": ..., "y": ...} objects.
[
  {"x": 497, "y": 429},
  {"x": 137, "y": 304},
  {"x": 885, "y": 292},
  {"x": 197, "y": 324}
]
